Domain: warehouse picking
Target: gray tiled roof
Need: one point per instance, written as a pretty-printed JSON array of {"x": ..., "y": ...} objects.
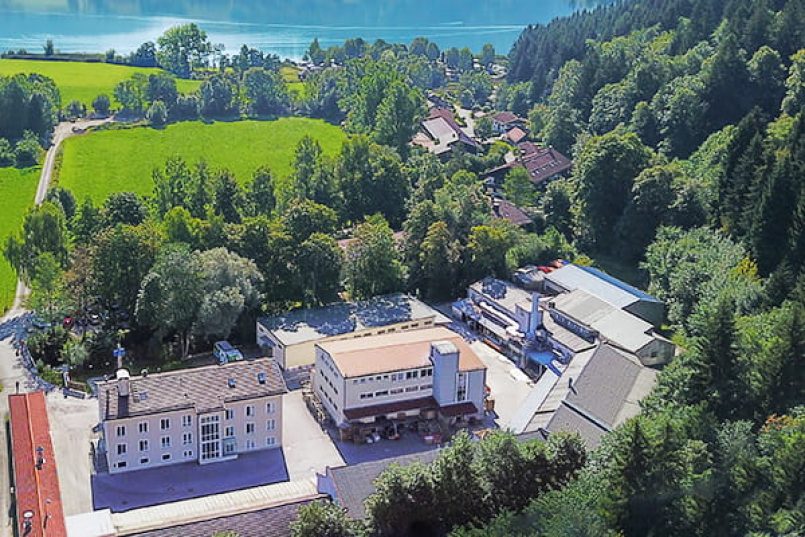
[
  {"x": 203, "y": 388},
  {"x": 270, "y": 522},
  {"x": 566, "y": 419},
  {"x": 353, "y": 484},
  {"x": 313, "y": 324}
]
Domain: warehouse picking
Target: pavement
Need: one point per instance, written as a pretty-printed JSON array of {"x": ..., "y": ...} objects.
[
  {"x": 510, "y": 386},
  {"x": 175, "y": 482},
  {"x": 307, "y": 447},
  {"x": 71, "y": 423},
  {"x": 407, "y": 444}
]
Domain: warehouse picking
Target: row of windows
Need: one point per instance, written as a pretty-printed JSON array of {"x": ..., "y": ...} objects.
[
  {"x": 398, "y": 377},
  {"x": 187, "y": 420},
  {"x": 395, "y": 391},
  {"x": 327, "y": 396}
]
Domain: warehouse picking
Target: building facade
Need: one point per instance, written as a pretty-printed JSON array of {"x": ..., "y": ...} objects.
[
  {"x": 208, "y": 414},
  {"x": 431, "y": 373}
]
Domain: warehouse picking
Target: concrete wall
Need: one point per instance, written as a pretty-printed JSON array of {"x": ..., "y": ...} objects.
[{"x": 184, "y": 449}]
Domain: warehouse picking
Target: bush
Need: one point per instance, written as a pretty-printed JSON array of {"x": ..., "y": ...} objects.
[
  {"x": 7, "y": 157},
  {"x": 27, "y": 150},
  {"x": 102, "y": 105},
  {"x": 187, "y": 107},
  {"x": 76, "y": 109},
  {"x": 157, "y": 114}
]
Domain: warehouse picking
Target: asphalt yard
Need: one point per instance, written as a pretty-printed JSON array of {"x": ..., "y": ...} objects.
[
  {"x": 408, "y": 443},
  {"x": 143, "y": 488},
  {"x": 509, "y": 385}
]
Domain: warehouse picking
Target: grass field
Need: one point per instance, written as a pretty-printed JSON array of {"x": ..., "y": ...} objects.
[
  {"x": 104, "y": 162},
  {"x": 291, "y": 77},
  {"x": 84, "y": 81},
  {"x": 17, "y": 188}
]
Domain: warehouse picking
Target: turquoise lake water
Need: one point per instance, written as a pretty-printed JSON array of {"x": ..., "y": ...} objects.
[{"x": 284, "y": 27}]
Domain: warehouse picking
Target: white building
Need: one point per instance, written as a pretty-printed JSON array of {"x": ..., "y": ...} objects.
[
  {"x": 207, "y": 414},
  {"x": 431, "y": 373},
  {"x": 290, "y": 338}
]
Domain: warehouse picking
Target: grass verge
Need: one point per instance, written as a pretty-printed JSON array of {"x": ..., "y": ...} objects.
[{"x": 17, "y": 189}]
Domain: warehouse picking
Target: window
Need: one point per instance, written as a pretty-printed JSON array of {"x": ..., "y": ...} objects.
[
  {"x": 461, "y": 387},
  {"x": 187, "y": 420},
  {"x": 269, "y": 408},
  {"x": 165, "y": 442},
  {"x": 187, "y": 438},
  {"x": 426, "y": 373},
  {"x": 143, "y": 427},
  {"x": 395, "y": 391},
  {"x": 230, "y": 414},
  {"x": 121, "y": 464},
  {"x": 411, "y": 374},
  {"x": 271, "y": 441},
  {"x": 229, "y": 448},
  {"x": 270, "y": 425},
  {"x": 229, "y": 431},
  {"x": 250, "y": 428},
  {"x": 121, "y": 449},
  {"x": 250, "y": 444},
  {"x": 188, "y": 454},
  {"x": 425, "y": 386},
  {"x": 411, "y": 388},
  {"x": 368, "y": 395},
  {"x": 143, "y": 445},
  {"x": 144, "y": 460},
  {"x": 394, "y": 377},
  {"x": 165, "y": 424},
  {"x": 381, "y": 393},
  {"x": 166, "y": 456},
  {"x": 249, "y": 411},
  {"x": 121, "y": 430}
]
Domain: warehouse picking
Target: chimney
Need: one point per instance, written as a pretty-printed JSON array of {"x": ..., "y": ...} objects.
[
  {"x": 123, "y": 380},
  {"x": 535, "y": 318}
]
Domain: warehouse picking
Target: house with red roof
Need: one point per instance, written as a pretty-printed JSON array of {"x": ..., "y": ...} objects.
[
  {"x": 37, "y": 498},
  {"x": 503, "y": 122},
  {"x": 542, "y": 164}
]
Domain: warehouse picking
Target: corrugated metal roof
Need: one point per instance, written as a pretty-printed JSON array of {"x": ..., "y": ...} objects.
[{"x": 597, "y": 283}]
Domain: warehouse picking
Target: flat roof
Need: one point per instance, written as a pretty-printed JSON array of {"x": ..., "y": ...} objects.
[
  {"x": 397, "y": 351},
  {"x": 36, "y": 481},
  {"x": 503, "y": 293},
  {"x": 202, "y": 388},
  {"x": 599, "y": 284},
  {"x": 313, "y": 324}
]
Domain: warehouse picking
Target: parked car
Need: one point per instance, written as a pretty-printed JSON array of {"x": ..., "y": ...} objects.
[
  {"x": 225, "y": 352},
  {"x": 67, "y": 323}
]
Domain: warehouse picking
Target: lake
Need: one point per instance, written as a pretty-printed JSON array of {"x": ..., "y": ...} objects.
[{"x": 283, "y": 27}]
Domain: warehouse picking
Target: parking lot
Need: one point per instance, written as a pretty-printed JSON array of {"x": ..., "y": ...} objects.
[{"x": 71, "y": 423}]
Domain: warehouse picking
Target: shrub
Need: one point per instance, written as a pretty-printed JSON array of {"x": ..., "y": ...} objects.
[
  {"x": 7, "y": 157},
  {"x": 157, "y": 114},
  {"x": 187, "y": 107},
  {"x": 76, "y": 109},
  {"x": 102, "y": 105},
  {"x": 27, "y": 150}
]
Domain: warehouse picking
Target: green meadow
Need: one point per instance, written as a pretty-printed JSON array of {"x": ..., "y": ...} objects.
[
  {"x": 84, "y": 81},
  {"x": 107, "y": 161},
  {"x": 17, "y": 189}
]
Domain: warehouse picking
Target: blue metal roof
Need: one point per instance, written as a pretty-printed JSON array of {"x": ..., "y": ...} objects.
[
  {"x": 618, "y": 283},
  {"x": 544, "y": 358}
]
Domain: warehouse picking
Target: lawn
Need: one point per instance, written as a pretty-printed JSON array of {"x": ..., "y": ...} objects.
[
  {"x": 295, "y": 85},
  {"x": 84, "y": 81},
  {"x": 17, "y": 189},
  {"x": 103, "y": 162}
]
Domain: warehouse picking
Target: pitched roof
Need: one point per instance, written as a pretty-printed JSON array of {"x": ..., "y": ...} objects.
[
  {"x": 511, "y": 212},
  {"x": 271, "y": 522},
  {"x": 506, "y": 117},
  {"x": 602, "y": 395},
  {"x": 313, "y": 324},
  {"x": 544, "y": 163},
  {"x": 36, "y": 481},
  {"x": 353, "y": 484},
  {"x": 203, "y": 389},
  {"x": 398, "y": 351},
  {"x": 449, "y": 118},
  {"x": 516, "y": 135}
]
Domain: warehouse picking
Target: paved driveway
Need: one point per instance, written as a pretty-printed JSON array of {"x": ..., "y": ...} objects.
[
  {"x": 142, "y": 488},
  {"x": 307, "y": 447},
  {"x": 509, "y": 385}
]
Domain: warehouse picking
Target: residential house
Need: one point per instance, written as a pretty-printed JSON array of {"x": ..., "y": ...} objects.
[
  {"x": 542, "y": 164},
  {"x": 516, "y": 136},
  {"x": 207, "y": 414},
  {"x": 432, "y": 373},
  {"x": 440, "y": 133},
  {"x": 506, "y": 210},
  {"x": 290, "y": 338},
  {"x": 505, "y": 121}
]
